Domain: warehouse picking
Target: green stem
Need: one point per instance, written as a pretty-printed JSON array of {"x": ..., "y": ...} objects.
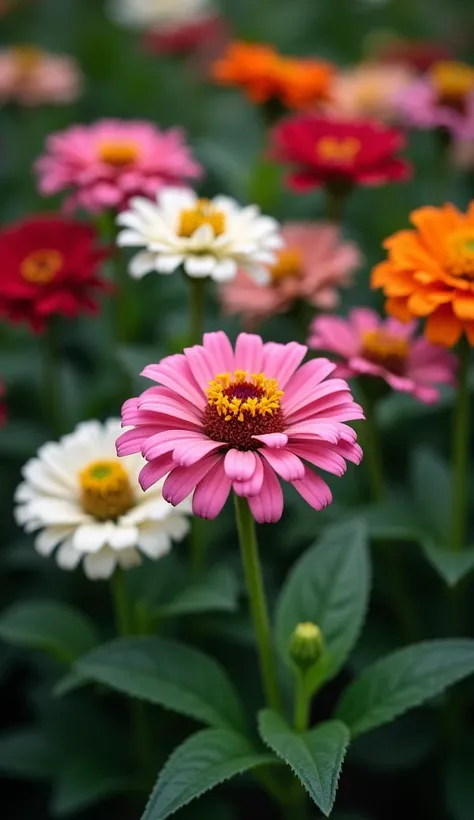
[
  {"x": 51, "y": 379},
  {"x": 302, "y": 703},
  {"x": 372, "y": 450},
  {"x": 123, "y": 617},
  {"x": 197, "y": 294},
  {"x": 258, "y": 604},
  {"x": 460, "y": 460},
  {"x": 335, "y": 204}
]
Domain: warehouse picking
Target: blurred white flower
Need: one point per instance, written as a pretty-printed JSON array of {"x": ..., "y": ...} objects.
[
  {"x": 208, "y": 237},
  {"x": 157, "y": 13},
  {"x": 88, "y": 502}
]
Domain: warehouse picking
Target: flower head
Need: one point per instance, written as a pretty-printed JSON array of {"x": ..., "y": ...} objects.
[
  {"x": 49, "y": 265},
  {"x": 158, "y": 13},
  {"x": 314, "y": 263},
  {"x": 105, "y": 164},
  {"x": 186, "y": 37},
  {"x": 83, "y": 498},
  {"x": 265, "y": 75},
  {"x": 225, "y": 419},
  {"x": 208, "y": 237},
  {"x": 344, "y": 153},
  {"x": 442, "y": 98},
  {"x": 369, "y": 90},
  {"x": 32, "y": 77},
  {"x": 366, "y": 345},
  {"x": 430, "y": 273}
]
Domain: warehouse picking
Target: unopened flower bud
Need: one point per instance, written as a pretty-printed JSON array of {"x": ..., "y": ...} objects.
[{"x": 306, "y": 645}]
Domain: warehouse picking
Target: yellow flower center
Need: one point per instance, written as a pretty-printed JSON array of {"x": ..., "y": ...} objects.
[
  {"x": 106, "y": 492},
  {"x": 460, "y": 261},
  {"x": 118, "y": 153},
  {"x": 453, "y": 81},
  {"x": 289, "y": 264},
  {"x": 383, "y": 348},
  {"x": 337, "y": 149},
  {"x": 240, "y": 406},
  {"x": 203, "y": 213},
  {"x": 40, "y": 267},
  {"x": 27, "y": 59}
]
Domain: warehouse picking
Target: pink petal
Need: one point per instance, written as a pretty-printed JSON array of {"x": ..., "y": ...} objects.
[
  {"x": 285, "y": 463},
  {"x": 220, "y": 350},
  {"x": 166, "y": 440},
  {"x": 321, "y": 456},
  {"x": 240, "y": 465},
  {"x": 315, "y": 428},
  {"x": 174, "y": 372},
  {"x": 303, "y": 386},
  {"x": 249, "y": 353},
  {"x": 280, "y": 361},
  {"x": 313, "y": 489},
  {"x": 154, "y": 470},
  {"x": 334, "y": 335},
  {"x": 190, "y": 451},
  {"x": 254, "y": 484},
  {"x": 273, "y": 439},
  {"x": 202, "y": 365},
  {"x": 131, "y": 441},
  {"x": 182, "y": 480},
  {"x": 267, "y": 506},
  {"x": 212, "y": 492},
  {"x": 364, "y": 319}
]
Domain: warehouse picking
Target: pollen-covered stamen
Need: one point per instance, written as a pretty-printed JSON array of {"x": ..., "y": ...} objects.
[
  {"x": 289, "y": 265},
  {"x": 106, "y": 492},
  {"x": 40, "y": 267},
  {"x": 338, "y": 149},
  {"x": 203, "y": 213},
  {"x": 385, "y": 349},
  {"x": 460, "y": 261},
  {"x": 453, "y": 82},
  {"x": 241, "y": 406},
  {"x": 118, "y": 152}
]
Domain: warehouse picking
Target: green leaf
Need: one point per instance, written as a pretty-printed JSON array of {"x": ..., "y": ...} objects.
[
  {"x": 216, "y": 591},
  {"x": 451, "y": 566},
  {"x": 28, "y": 754},
  {"x": 394, "y": 519},
  {"x": 84, "y": 781},
  {"x": 329, "y": 585},
  {"x": 200, "y": 763},
  {"x": 315, "y": 756},
  {"x": 51, "y": 626},
  {"x": 431, "y": 486},
  {"x": 69, "y": 683},
  {"x": 169, "y": 673},
  {"x": 403, "y": 680}
]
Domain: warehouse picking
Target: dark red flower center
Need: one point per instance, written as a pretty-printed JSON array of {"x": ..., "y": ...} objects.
[
  {"x": 40, "y": 267},
  {"x": 241, "y": 406}
]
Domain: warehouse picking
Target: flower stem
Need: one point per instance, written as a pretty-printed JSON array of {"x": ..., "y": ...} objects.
[
  {"x": 372, "y": 450},
  {"x": 51, "y": 379},
  {"x": 335, "y": 204},
  {"x": 460, "y": 460},
  {"x": 140, "y": 723},
  {"x": 302, "y": 703},
  {"x": 197, "y": 293},
  {"x": 258, "y": 604}
]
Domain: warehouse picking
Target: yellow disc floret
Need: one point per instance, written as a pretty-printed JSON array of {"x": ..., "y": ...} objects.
[
  {"x": 203, "y": 213},
  {"x": 242, "y": 395},
  {"x": 106, "y": 492}
]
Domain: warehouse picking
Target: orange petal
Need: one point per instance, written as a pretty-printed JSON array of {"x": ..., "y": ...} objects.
[
  {"x": 398, "y": 307},
  {"x": 410, "y": 253},
  {"x": 419, "y": 304},
  {"x": 443, "y": 327},
  {"x": 399, "y": 284},
  {"x": 434, "y": 224},
  {"x": 463, "y": 306},
  {"x": 381, "y": 274}
]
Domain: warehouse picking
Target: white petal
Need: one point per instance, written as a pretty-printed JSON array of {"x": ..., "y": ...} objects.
[
  {"x": 100, "y": 565},
  {"x": 199, "y": 266},
  {"x": 48, "y": 539},
  {"x": 121, "y": 537},
  {"x": 141, "y": 264},
  {"x": 130, "y": 239},
  {"x": 129, "y": 558},
  {"x": 67, "y": 557},
  {"x": 91, "y": 537},
  {"x": 225, "y": 271},
  {"x": 154, "y": 543},
  {"x": 202, "y": 238},
  {"x": 167, "y": 263}
]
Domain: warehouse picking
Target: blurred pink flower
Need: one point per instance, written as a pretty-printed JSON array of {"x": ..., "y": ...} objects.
[
  {"x": 224, "y": 418},
  {"x": 367, "y": 345},
  {"x": 32, "y": 77},
  {"x": 369, "y": 90},
  {"x": 442, "y": 98},
  {"x": 104, "y": 164},
  {"x": 312, "y": 266}
]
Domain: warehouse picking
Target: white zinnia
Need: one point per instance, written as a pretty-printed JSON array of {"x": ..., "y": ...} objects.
[
  {"x": 157, "y": 13},
  {"x": 52, "y": 498},
  {"x": 208, "y": 237}
]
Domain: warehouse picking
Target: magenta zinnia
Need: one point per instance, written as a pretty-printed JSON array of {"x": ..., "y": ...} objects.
[{"x": 222, "y": 419}]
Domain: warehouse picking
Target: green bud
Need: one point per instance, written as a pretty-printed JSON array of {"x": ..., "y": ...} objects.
[{"x": 306, "y": 645}]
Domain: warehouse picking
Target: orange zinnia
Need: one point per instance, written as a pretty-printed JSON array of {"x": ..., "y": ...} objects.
[
  {"x": 266, "y": 75},
  {"x": 430, "y": 272}
]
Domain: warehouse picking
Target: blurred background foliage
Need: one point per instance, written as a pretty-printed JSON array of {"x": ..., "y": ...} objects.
[{"x": 80, "y": 743}]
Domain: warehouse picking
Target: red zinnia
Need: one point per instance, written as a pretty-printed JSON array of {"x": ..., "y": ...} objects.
[
  {"x": 49, "y": 265},
  {"x": 339, "y": 153}
]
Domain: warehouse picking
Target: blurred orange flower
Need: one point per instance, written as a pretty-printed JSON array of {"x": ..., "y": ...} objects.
[
  {"x": 430, "y": 272},
  {"x": 265, "y": 75}
]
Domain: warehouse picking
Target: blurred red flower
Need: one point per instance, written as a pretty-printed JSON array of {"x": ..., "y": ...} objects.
[
  {"x": 49, "y": 266},
  {"x": 185, "y": 38},
  {"x": 339, "y": 153}
]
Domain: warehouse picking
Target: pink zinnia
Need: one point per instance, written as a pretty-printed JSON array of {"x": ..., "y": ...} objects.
[
  {"x": 314, "y": 263},
  {"x": 367, "y": 345},
  {"x": 442, "y": 98},
  {"x": 32, "y": 77},
  {"x": 105, "y": 164},
  {"x": 222, "y": 419}
]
